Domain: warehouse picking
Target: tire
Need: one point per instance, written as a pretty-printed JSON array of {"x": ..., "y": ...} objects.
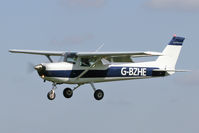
[
  {"x": 99, "y": 94},
  {"x": 51, "y": 95},
  {"x": 68, "y": 93}
]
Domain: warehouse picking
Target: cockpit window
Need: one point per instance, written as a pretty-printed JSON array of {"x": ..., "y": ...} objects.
[
  {"x": 84, "y": 62},
  {"x": 70, "y": 57},
  {"x": 87, "y": 62}
]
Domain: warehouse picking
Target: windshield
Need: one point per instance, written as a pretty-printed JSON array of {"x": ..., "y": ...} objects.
[{"x": 70, "y": 57}]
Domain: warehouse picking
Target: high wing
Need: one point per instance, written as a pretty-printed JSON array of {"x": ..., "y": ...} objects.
[
  {"x": 110, "y": 56},
  {"x": 89, "y": 54},
  {"x": 37, "y": 52},
  {"x": 118, "y": 54}
]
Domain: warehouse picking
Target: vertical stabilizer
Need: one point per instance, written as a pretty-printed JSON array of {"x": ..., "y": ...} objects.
[{"x": 170, "y": 53}]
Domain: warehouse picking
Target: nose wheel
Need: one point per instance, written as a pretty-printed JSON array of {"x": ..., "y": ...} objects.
[{"x": 51, "y": 94}]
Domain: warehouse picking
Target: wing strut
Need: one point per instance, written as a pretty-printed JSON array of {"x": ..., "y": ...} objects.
[{"x": 50, "y": 59}]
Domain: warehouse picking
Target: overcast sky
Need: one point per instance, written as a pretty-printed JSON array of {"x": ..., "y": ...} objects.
[{"x": 169, "y": 104}]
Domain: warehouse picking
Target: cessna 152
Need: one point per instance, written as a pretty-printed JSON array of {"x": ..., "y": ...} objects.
[{"x": 92, "y": 67}]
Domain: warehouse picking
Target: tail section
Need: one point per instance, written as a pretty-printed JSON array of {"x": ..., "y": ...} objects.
[{"x": 170, "y": 54}]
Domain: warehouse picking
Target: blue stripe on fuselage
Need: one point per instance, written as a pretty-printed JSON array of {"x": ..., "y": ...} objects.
[{"x": 110, "y": 72}]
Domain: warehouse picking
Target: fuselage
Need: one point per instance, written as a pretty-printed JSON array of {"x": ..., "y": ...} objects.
[{"x": 64, "y": 72}]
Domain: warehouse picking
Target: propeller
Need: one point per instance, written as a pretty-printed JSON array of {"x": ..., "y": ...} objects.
[
  {"x": 30, "y": 67},
  {"x": 39, "y": 68}
]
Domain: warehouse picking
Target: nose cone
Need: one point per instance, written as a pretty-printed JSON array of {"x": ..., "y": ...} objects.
[
  {"x": 41, "y": 69},
  {"x": 38, "y": 67}
]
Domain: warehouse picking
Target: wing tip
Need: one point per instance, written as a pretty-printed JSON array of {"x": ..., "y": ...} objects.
[{"x": 11, "y": 50}]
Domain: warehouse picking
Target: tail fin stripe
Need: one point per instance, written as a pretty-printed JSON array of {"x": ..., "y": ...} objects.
[{"x": 177, "y": 41}]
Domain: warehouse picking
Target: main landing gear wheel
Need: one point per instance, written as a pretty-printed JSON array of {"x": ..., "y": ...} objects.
[
  {"x": 51, "y": 95},
  {"x": 68, "y": 93},
  {"x": 99, "y": 94}
]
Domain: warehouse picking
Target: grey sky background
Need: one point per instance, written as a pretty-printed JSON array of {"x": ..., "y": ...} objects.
[{"x": 163, "y": 105}]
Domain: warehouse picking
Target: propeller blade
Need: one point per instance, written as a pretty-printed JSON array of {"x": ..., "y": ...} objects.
[{"x": 30, "y": 67}]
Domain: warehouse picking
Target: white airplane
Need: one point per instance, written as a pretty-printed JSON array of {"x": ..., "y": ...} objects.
[{"x": 92, "y": 67}]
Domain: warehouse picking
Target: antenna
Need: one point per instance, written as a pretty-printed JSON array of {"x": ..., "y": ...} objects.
[{"x": 99, "y": 47}]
